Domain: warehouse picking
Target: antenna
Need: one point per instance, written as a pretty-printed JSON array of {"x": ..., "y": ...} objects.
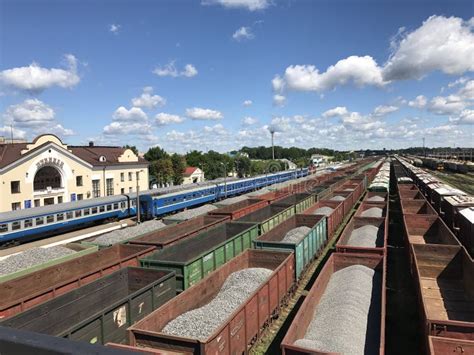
[
  {"x": 424, "y": 151},
  {"x": 11, "y": 132},
  {"x": 272, "y": 132}
]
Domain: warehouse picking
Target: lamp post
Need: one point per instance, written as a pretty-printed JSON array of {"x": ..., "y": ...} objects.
[
  {"x": 225, "y": 180},
  {"x": 138, "y": 195}
]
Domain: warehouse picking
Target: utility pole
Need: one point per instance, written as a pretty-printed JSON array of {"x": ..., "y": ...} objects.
[
  {"x": 225, "y": 179},
  {"x": 138, "y": 196},
  {"x": 272, "y": 132},
  {"x": 11, "y": 132},
  {"x": 424, "y": 151}
]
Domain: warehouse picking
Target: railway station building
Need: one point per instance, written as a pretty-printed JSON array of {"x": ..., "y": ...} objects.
[{"x": 48, "y": 171}]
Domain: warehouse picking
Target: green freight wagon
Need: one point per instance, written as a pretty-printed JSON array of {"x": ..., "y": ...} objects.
[
  {"x": 194, "y": 258},
  {"x": 306, "y": 249},
  {"x": 268, "y": 217},
  {"x": 300, "y": 201}
]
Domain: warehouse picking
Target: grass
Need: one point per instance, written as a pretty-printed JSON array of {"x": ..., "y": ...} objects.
[{"x": 464, "y": 182}]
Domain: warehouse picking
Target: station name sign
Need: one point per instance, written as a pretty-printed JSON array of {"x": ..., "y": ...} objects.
[{"x": 50, "y": 161}]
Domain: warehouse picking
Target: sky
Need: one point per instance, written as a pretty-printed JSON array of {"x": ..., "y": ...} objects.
[{"x": 220, "y": 74}]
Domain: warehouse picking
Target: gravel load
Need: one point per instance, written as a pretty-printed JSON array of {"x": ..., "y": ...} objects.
[
  {"x": 349, "y": 189},
  {"x": 338, "y": 198},
  {"x": 190, "y": 213},
  {"x": 372, "y": 212},
  {"x": 326, "y": 211},
  {"x": 342, "y": 322},
  {"x": 230, "y": 201},
  {"x": 201, "y": 322},
  {"x": 121, "y": 235},
  {"x": 366, "y": 237},
  {"x": 296, "y": 235},
  {"x": 32, "y": 257},
  {"x": 376, "y": 199}
]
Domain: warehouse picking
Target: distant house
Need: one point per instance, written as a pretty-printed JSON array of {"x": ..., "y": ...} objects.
[
  {"x": 192, "y": 175},
  {"x": 289, "y": 163},
  {"x": 318, "y": 159}
]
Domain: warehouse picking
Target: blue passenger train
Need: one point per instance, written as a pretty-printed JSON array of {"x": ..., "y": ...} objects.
[{"x": 27, "y": 224}]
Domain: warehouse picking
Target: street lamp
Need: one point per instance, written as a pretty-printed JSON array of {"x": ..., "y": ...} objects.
[
  {"x": 225, "y": 179},
  {"x": 138, "y": 195}
]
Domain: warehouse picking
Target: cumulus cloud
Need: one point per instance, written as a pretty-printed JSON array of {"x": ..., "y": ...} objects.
[
  {"x": 446, "y": 105},
  {"x": 148, "y": 100},
  {"x": 30, "y": 113},
  {"x": 198, "y": 113},
  {"x": 419, "y": 102},
  {"x": 166, "y": 118},
  {"x": 170, "y": 69},
  {"x": 35, "y": 79},
  {"x": 383, "y": 110},
  {"x": 467, "y": 92},
  {"x": 336, "y": 111},
  {"x": 279, "y": 100},
  {"x": 251, "y": 5},
  {"x": 248, "y": 121},
  {"x": 133, "y": 114},
  {"x": 6, "y": 131},
  {"x": 278, "y": 83},
  {"x": 114, "y": 28},
  {"x": 123, "y": 127},
  {"x": 243, "y": 33},
  {"x": 59, "y": 130},
  {"x": 247, "y": 103}
]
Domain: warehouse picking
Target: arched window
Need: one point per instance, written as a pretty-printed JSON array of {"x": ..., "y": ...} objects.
[{"x": 47, "y": 176}]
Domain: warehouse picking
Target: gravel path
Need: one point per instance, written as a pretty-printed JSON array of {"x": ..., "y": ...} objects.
[
  {"x": 338, "y": 198},
  {"x": 201, "y": 322},
  {"x": 230, "y": 201},
  {"x": 191, "y": 213},
  {"x": 341, "y": 319},
  {"x": 376, "y": 199},
  {"x": 372, "y": 212},
  {"x": 296, "y": 235},
  {"x": 121, "y": 235},
  {"x": 366, "y": 236},
  {"x": 324, "y": 211},
  {"x": 32, "y": 257}
]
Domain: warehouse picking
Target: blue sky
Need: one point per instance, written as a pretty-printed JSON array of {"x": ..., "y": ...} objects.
[{"x": 217, "y": 74}]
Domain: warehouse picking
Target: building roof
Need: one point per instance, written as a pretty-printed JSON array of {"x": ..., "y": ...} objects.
[
  {"x": 9, "y": 153},
  {"x": 189, "y": 170}
]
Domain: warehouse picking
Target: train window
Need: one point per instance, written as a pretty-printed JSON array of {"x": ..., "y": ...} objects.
[
  {"x": 134, "y": 202},
  {"x": 109, "y": 207},
  {"x": 28, "y": 223},
  {"x": 78, "y": 213},
  {"x": 101, "y": 208},
  {"x": 39, "y": 221},
  {"x": 94, "y": 210},
  {"x": 122, "y": 204},
  {"x": 60, "y": 217},
  {"x": 87, "y": 211},
  {"x": 50, "y": 219},
  {"x": 115, "y": 206},
  {"x": 69, "y": 215},
  {"x": 16, "y": 225},
  {"x": 3, "y": 228}
]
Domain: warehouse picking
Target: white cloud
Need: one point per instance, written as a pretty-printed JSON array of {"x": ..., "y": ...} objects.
[
  {"x": 446, "y": 105},
  {"x": 59, "y": 130},
  {"x": 198, "y": 113},
  {"x": 166, "y": 118},
  {"x": 243, "y": 33},
  {"x": 247, "y": 103},
  {"x": 383, "y": 110},
  {"x": 248, "y": 121},
  {"x": 279, "y": 100},
  {"x": 251, "y": 5},
  {"x": 170, "y": 70},
  {"x": 440, "y": 43},
  {"x": 336, "y": 111},
  {"x": 114, "y": 28},
  {"x": 278, "y": 83},
  {"x": 35, "y": 79},
  {"x": 419, "y": 102},
  {"x": 217, "y": 129},
  {"x": 30, "y": 113},
  {"x": 465, "y": 117},
  {"x": 133, "y": 114},
  {"x": 123, "y": 128},
  {"x": 457, "y": 82},
  {"x": 147, "y": 100},
  {"x": 467, "y": 92},
  {"x": 6, "y": 131}
]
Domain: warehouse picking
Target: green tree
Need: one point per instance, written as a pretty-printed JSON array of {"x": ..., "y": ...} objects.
[
  {"x": 179, "y": 165},
  {"x": 194, "y": 158},
  {"x": 156, "y": 153},
  {"x": 242, "y": 166},
  {"x": 132, "y": 148},
  {"x": 162, "y": 171}
]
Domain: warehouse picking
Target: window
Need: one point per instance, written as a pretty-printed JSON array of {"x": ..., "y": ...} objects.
[
  {"x": 122, "y": 204},
  {"x": 16, "y": 206},
  {"x": 95, "y": 188},
  {"x": 122, "y": 190},
  {"x": 15, "y": 187},
  {"x": 3, "y": 228},
  {"x": 28, "y": 223},
  {"x": 130, "y": 189},
  {"x": 60, "y": 199},
  {"x": 16, "y": 225},
  {"x": 94, "y": 210},
  {"x": 130, "y": 176},
  {"x": 79, "y": 181},
  {"x": 50, "y": 219},
  {"x": 80, "y": 197},
  {"x": 37, "y": 203},
  {"x": 122, "y": 177},
  {"x": 69, "y": 215},
  {"x": 109, "y": 184},
  {"x": 101, "y": 208},
  {"x": 87, "y": 211},
  {"x": 78, "y": 213},
  {"x": 39, "y": 221},
  {"x": 109, "y": 207},
  {"x": 115, "y": 206}
]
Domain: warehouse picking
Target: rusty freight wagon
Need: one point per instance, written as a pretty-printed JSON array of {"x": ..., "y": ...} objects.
[
  {"x": 359, "y": 237},
  {"x": 24, "y": 292},
  {"x": 268, "y": 217},
  {"x": 305, "y": 249},
  {"x": 100, "y": 311},
  {"x": 372, "y": 209},
  {"x": 194, "y": 258},
  {"x": 443, "y": 346},
  {"x": 372, "y": 196},
  {"x": 375, "y": 327},
  {"x": 428, "y": 229},
  {"x": 333, "y": 210},
  {"x": 173, "y": 234},
  {"x": 240, "y": 209},
  {"x": 417, "y": 207},
  {"x": 410, "y": 194},
  {"x": 300, "y": 201},
  {"x": 237, "y": 331},
  {"x": 346, "y": 197}
]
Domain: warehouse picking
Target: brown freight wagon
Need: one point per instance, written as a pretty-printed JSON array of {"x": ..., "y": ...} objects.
[
  {"x": 22, "y": 293},
  {"x": 240, "y": 329},
  {"x": 451, "y": 206},
  {"x": 438, "y": 195},
  {"x": 348, "y": 201},
  {"x": 445, "y": 283},
  {"x": 428, "y": 229},
  {"x": 369, "y": 197},
  {"x": 443, "y": 346},
  {"x": 410, "y": 194},
  {"x": 465, "y": 229},
  {"x": 380, "y": 248},
  {"x": 419, "y": 207},
  {"x": 173, "y": 234},
  {"x": 273, "y": 196},
  {"x": 100, "y": 311},
  {"x": 354, "y": 187},
  {"x": 366, "y": 208},
  {"x": 407, "y": 187},
  {"x": 303, "y": 318},
  {"x": 239, "y": 209},
  {"x": 334, "y": 219}
]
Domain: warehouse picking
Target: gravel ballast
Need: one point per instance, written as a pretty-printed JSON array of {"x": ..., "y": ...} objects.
[
  {"x": 191, "y": 213},
  {"x": 230, "y": 201},
  {"x": 201, "y": 322},
  {"x": 32, "y": 257},
  {"x": 338, "y": 198},
  {"x": 366, "y": 237},
  {"x": 326, "y": 211},
  {"x": 121, "y": 235},
  {"x": 372, "y": 212},
  {"x": 296, "y": 235},
  {"x": 342, "y": 322},
  {"x": 376, "y": 199}
]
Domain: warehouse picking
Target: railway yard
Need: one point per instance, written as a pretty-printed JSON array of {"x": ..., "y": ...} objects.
[{"x": 374, "y": 257}]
